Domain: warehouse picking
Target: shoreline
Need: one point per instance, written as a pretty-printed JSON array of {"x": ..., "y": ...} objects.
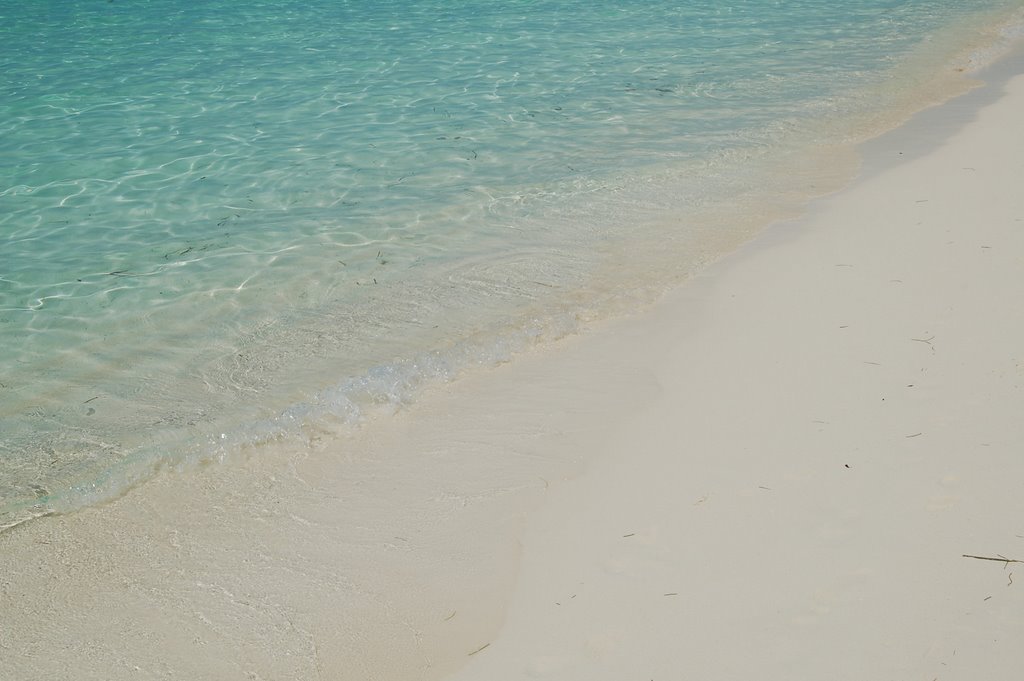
[
  {"x": 666, "y": 474},
  {"x": 831, "y": 450},
  {"x": 210, "y": 391}
]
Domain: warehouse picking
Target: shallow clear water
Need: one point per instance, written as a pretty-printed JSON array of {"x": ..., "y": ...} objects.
[{"x": 222, "y": 223}]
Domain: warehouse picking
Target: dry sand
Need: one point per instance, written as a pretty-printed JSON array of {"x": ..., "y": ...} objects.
[{"x": 772, "y": 474}]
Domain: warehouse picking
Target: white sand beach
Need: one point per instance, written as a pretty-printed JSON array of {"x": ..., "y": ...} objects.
[
  {"x": 838, "y": 422},
  {"x": 774, "y": 473}
]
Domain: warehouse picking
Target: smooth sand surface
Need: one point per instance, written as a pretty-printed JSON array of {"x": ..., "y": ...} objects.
[
  {"x": 839, "y": 418},
  {"x": 772, "y": 474}
]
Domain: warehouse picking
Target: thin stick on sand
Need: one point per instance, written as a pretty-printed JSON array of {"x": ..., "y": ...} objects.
[{"x": 1000, "y": 559}]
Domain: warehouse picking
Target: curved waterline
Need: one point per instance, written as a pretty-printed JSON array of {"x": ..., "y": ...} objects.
[{"x": 219, "y": 248}]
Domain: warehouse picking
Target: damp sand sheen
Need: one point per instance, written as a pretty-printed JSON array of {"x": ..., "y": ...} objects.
[{"x": 291, "y": 321}]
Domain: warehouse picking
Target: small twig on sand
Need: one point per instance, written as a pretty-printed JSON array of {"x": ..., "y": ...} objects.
[
  {"x": 479, "y": 649},
  {"x": 926, "y": 341},
  {"x": 1000, "y": 559}
]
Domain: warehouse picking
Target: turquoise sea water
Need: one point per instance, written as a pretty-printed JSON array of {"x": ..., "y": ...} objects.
[{"x": 225, "y": 224}]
